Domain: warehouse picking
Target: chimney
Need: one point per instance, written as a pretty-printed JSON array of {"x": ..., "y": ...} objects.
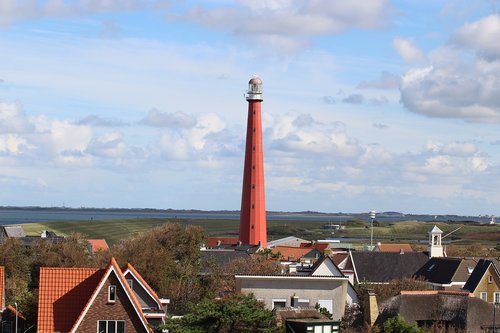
[
  {"x": 295, "y": 301},
  {"x": 371, "y": 312}
]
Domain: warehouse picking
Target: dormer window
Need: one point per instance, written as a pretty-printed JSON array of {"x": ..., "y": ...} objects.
[{"x": 111, "y": 294}]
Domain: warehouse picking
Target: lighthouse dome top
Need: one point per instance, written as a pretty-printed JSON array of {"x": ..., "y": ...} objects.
[
  {"x": 255, "y": 80},
  {"x": 254, "y": 92}
]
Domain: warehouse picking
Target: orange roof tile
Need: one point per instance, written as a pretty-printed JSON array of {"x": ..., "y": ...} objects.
[
  {"x": 318, "y": 246},
  {"x": 98, "y": 244},
  {"x": 395, "y": 248},
  {"x": 289, "y": 252},
  {"x": 213, "y": 241},
  {"x": 2, "y": 287},
  {"x": 64, "y": 291},
  {"x": 65, "y": 295},
  {"x": 15, "y": 312}
]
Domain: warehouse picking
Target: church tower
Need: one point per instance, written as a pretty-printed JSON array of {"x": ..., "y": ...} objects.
[
  {"x": 435, "y": 248},
  {"x": 253, "y": 226}
]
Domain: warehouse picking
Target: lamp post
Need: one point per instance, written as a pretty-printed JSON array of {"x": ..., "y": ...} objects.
[
  {"x": 372, "y": 217},
  {"x": 15, "y": 304}
]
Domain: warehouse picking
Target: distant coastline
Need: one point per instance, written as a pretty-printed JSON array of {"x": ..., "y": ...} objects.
[{"x": 189, "y": 213}]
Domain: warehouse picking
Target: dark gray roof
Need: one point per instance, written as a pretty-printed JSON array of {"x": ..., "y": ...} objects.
[
  {"x": 30, "y": 240},
  {"x": 439, "y": 270},
  {"x": 219, "y": 258},
  {"x": 463, "y": 312},
  {"x": 385, "y": 266},
  {"x": 248, "y": 248},
  {"x": 478, "y": 273},
  {"x": 14, "y": 231}
]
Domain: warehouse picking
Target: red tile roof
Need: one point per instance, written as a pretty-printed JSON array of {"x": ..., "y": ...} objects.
[
  {"x": 65, "y": 295},
  {"x": 394, "y": 248},
  {"x": 2, "y": 287},
  {"x": 15, "y": 312},
  {"x": 213, "y": 241},
  {"x": 98, "y": 244},
  {"x": 318, "y": 246},
  {"x": 291, "y": 253},
  {"x": 62, "y": 295}
]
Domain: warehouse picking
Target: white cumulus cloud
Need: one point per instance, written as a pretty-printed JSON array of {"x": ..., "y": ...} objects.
[
  {"x": 407, "y": 49},
  {"x": 482, "y": 36}
]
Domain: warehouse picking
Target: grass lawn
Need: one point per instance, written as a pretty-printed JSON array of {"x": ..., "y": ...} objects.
[{"x": 407, "y": 231}]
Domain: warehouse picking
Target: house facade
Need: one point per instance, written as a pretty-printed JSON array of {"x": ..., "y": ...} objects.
[
  {"x": 324, "y": 285},
  {"x": 484, "y": 282},
  {"x": 96, "y": 300}
]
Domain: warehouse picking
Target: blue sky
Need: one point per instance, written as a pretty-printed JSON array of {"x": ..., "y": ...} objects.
[{"x": 383, "y": 105}]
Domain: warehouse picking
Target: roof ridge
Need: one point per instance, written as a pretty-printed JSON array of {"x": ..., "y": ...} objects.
[
  {"x": 69, "y": 268},
  {"x": 112, "y": 265}
]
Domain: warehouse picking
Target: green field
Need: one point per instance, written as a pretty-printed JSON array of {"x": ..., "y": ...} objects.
[{"x": 408, "y": 231}]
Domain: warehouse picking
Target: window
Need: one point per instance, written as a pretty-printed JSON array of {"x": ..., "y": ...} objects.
[
  {"x": 497, "y": 297},
  {"x": 320, "y": 329},
  {"x": 110, "y": 326},
  {"x": 484, "y": 296},
  {"x": 111, "y": 294},
  {"x": 130, "y": 283},
  {"x": 279, "y": 303},
  {"x": 303, "y": 302},
  {"x": 490, "y": 279}
]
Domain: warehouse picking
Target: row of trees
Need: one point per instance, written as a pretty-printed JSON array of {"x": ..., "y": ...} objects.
[{"x": 168, "y": 257}]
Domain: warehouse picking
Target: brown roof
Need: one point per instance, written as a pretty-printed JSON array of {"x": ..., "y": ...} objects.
[
  {"x": 298, "y": 313},
  {"x": 394, "y": 248},
  {"x": 434, "y": 292},
  {"x": 459, "y": 310},
  {"x": 338, "y": 258}
]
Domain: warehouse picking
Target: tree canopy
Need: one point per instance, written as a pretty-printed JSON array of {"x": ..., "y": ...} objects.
[{"x": 234, "y": 313}]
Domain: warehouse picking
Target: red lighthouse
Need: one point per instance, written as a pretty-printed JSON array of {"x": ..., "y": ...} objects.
[{"x": 253, "y": 229}]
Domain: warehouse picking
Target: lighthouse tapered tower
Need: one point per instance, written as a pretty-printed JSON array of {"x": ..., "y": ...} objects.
[{"x": 253, "y": 229}]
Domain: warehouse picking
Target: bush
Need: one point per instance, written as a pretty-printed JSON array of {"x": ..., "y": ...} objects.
[{"x": 399, "y": 325}]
